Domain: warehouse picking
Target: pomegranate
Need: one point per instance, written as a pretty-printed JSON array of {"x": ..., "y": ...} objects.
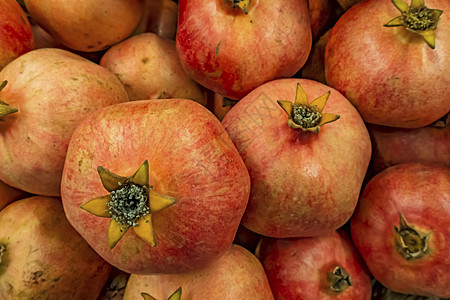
[
  {"x": 402, "y": 228},
  {"x": 16, "y": 37},
  {"x": 149, "y": 68},
  {"x": 43, "y": 257},
  {"x": 237, "y": 274},
  {"x": 323, "y": 267},
  {"x": 393, "y": 146},
  {"x": 49, "y": 91},
  {"x": 303, "y": 182},
  {"x": 187, "y": 185},
  {"x": 87, "y": 25},
  {"x": 160, "y": 17},
  {"x": 231, "y": 47},
  {"x": 395, "y": 76}
]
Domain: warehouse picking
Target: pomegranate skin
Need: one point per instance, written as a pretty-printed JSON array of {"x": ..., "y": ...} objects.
[
  {"x": 297, "y": 268},
  {"x": 392, "y": 146},
  {"x": 232, "y": 53},
  {"x": 45, "y": 257},
  {"x": 192, "y": 160},
  {"x": 320, "y": 193},
  {"x": 53, "y": 90},
  {"x": 390, "y": 74},
  {"x": 421, "y": 193}
]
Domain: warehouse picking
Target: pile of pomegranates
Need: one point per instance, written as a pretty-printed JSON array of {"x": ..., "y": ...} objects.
[{"x": 224, "y": 149}]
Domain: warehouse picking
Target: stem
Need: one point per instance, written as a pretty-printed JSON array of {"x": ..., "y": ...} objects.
[
  {"x": 5, "y": 109},
  {"x": 339, "y": 280}
]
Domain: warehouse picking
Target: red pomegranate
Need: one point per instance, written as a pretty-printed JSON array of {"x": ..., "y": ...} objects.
[
  {"x": 323, "y": 267},
  {"x": 165, "y": 168},
  {"x": 16, "y": 37},
  {"x": 303, "y": 182},
  {"x": 402, "y": 228},
  {"x": 395, "y": 76},
  {"x": 231, "y": 47}
]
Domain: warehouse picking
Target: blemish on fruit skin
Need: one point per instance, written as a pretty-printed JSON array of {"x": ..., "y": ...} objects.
[
  {"x": 145, "y": 60},
  {"x": 218, "y": 47}
]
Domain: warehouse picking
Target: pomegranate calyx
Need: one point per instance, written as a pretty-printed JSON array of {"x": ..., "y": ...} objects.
[
  {"x": 2, "y": 252},
  {"x": 175, "y": 296},
  {"x": 442, "y": 122},
  {"x": 304, "y": 115},
  {"x": 417, "y": 18},
  {"x": 339, "y": 280},
  {"x": 131, "y": 203},
  {"x": 242, "y": 4},
  {"x": 409, "y": 242},
  {"x": 5, "y": 109}
]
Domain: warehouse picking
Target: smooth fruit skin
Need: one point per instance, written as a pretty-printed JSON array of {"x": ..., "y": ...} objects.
[
  {"x": 88, "y": 25},
  {"x": 389, "y": 73},
  {"x": 237, "y": 274},
  {"x": 392, "y": 146},
  {"x": 297, "y": 268},
  {"x": 421, "y": 193},
  {"x": 16, "y": 37},
  {"x": 303, "y": 183},
  {"x": 191, "y": 158},
  {"x": 45, "y": 257},
  {"x": 149, "y": 68},
  {"x": 53, "y": 91},
  {"x": 232, "y": 53}
]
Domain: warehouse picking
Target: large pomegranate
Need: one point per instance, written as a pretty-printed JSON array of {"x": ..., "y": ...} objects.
[
  {"x": 323, "y": 267},
  {"x": 237, "y": 274},
  {"x": 402, "y": 228},
  {"x": 43, "y": 257},
  {"x": 305, "y": 178},
  {"x": 395, "y": 76},
  {"x": 48, "y": 92},
  {"x": 161, "y": 186},
  {"x": 231, "y": 47}
]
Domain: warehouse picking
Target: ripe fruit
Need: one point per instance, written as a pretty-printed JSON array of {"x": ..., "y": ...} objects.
[
  {"x": 323, "y": 267},
  {"x": 187, "y": 183},
  {"x": 304, "y": 182},
  {"x": 402, "y": 227},
  {"x": 233, "y": 48},
  {"x": 149, "y": 68},
  {"x": 237, "y": 274},
  {"x": 391, "y": 74},
  {"x": 48, "y": 92},
  {"x": 43, "y": 257},
  {"x": 87, "y": 25},
  {"x": 16, "y": 37}
]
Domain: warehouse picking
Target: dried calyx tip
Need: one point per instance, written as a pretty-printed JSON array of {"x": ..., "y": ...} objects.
[{"x": 339, "y": 280}]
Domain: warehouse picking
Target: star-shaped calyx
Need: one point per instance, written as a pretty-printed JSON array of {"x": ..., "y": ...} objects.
[
  {"x": 409, "y": 242},
  {"x": 175, "y": 296},
  {"x": 131, "y": 203},
  {"x": 242, "y": 4},
  {"x": 5, "y": 109},
  {"x": 417, "y": 18},
  {"x": 304, "y": 115}
]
